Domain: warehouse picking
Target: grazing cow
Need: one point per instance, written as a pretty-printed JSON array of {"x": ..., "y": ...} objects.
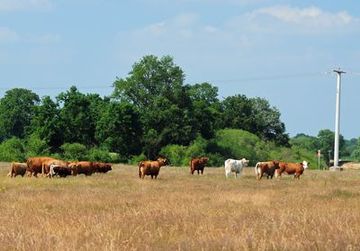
[
  {"x": 82, "y": 167},
  {"x": 235, "y": 166},
  {"x": 17, "y": 168},
  {"x": 62, "y": 171},
  {"x": 45, "y": 169},
  {"x": 35, "y": 164},
  {"x": 267, "y": 168},
  {"x": 292, "y": 168},
  {"x": 151, "y": 168},
  {"x": 198, "y": 164},
  {"x": 101, "y": 167}
]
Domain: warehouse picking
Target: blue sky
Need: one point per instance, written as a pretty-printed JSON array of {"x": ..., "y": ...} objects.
[{"x": 282, "y": 51}]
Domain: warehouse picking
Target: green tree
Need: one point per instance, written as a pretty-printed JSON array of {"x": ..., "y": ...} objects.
[
  {"x": 326, "y": 143},
  {"x": 46, "y": 123},
  {"x": 16, "y": 110},
  {"x": 304, "y": 141},
  {"x": 119, "y": 129},
  {"x": 155, "y": 88},
  {"x": 356, "y": 152},
  {"x": 78, "y": 116}
]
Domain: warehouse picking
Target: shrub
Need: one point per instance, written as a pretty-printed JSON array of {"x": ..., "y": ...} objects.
[
  {"x": 12, "y": 150},
  {"x": 97, "y": 154},
  {"x": 74, "y": 151},
  {"x": 175, "y": 154}
]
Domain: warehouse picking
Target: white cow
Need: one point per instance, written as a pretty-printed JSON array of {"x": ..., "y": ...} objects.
[{"x": 236, "y": 166}]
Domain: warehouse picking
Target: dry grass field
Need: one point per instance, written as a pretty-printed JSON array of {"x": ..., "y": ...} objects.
[{"x": 118, "y": 211}]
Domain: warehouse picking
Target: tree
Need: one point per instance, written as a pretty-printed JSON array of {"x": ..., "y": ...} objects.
[
  {"x": 119, "y": 129},
  {"x": 206, "y": 109},
  {"x": 155, "y": 88},
  {"x": 16, "y": 110},
  {"x": 356, "y": 152},
  {"x": 78, "y": 116},
  {"x": 326, "y": 143},
  {"x": 309, "y": 143},
  {"x": 46, "y": 123}
]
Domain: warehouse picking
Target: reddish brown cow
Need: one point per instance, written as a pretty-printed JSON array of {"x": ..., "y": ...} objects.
[
  {"x": 101, "y": 167},
  {"x": 17, "y": 168},
  {"x": 82, "y": 167},
  {"x": 151, "y": 168},
  {"x": 34, "y": 164},
  {"x": 292, "y": 168},
  {"x": 198, "y": 164},
  {"x": 267, "y": 167}
]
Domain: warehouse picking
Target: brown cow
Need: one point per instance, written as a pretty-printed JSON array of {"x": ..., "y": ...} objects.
[
  {"x": 292, "y": 168},
  {"x": 151, "y": 168},
  {"x": 82, "y": 167},
  {"x": 198, "y": 164},
  {"x": 45, "y": 167},
  {"x": 267, "y": 167},
  {"x": 101, "y": 167},
  {"x": 17, "y": 168},
  {"x": 35, "y": 164}
]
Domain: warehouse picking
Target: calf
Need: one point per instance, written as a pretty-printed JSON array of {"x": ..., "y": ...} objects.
[
  {"x": 267, "y": 168},
  {"x": 151, "y": 168},
  {"x": 62, "y": 171},
  {"x": 198, "y": 164},
  {"x": 235, "y": 166},
  {"x": 17, "y": 168}
]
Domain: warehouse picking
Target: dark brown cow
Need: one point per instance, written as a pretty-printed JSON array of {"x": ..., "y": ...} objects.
[
  {"x": 82, "y": 167},
  {"x": 45, "y": 169},
  {"x": 35, "y": 164},
  {"x": 292, "y": 168},
  {"x": 198, "y": 164},
  {"x": 59, "y": 170},
  {"x": 17, "y": 168},
  {"x": 267, "y": 167},
  {"x": 101, "y": 167},
  {"x": 151, "y": 168}
]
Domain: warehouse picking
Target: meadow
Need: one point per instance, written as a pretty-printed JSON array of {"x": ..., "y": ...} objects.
[{"x": 118, "y": 211}]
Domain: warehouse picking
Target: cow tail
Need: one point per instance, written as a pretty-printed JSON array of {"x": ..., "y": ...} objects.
[{"x": 257, "y": 168}]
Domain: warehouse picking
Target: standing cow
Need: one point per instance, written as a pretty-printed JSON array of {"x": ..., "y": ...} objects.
[
  {"x": 235, "y": 166},
  {"x": 151, "y": 168},
  {"x": 267, "y": 167},
  {"x": 35, "y": 164},
  {"x": 198, "y": 164},
  {"x": 292, "y": 168},
  {"x": 17, "y": 168}
]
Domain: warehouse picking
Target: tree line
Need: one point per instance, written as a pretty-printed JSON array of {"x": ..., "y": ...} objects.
[{"x": 148, "y": 111}]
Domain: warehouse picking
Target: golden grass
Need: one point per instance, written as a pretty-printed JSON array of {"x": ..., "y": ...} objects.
[{"x": 118, "y": 211}]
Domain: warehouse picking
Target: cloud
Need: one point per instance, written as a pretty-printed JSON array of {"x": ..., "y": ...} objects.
[
  {"x": 20, "y": 5},
  {"x": 313, "y": 17},
  {"x": 7, "y": 35}
]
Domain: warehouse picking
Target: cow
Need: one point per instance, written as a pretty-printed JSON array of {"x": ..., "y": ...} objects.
[
  {"x": 17, "y": 168},
  {"x": 198, "y": 164},
  {"x": 82, "y": 167},
  {"x": 35, "y": 164},
  {"x": 267, "y": 167},
  {"x": 101, "y": 167},
  {"x": 235, "y": 166},
  {"x": 292, "y": 168},
  {"x": 60, "y": 170},
  {"x": 45, "y": 169},
  {"x": 151, "y": 168}
]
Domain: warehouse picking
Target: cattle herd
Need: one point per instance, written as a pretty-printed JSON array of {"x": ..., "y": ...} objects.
[{"x": 51, "y": 167}]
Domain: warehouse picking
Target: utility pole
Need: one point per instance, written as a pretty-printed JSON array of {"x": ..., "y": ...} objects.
[{"x": 337, "y": 118}]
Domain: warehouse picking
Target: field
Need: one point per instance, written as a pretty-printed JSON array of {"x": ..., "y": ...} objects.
[{"x": 118, "y": 211}]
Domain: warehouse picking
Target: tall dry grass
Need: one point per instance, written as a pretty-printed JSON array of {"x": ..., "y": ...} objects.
[{"x": 118, "y": 211}]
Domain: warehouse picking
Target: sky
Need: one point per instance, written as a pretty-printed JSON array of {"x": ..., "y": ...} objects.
[{"x": 283, "y": 51}]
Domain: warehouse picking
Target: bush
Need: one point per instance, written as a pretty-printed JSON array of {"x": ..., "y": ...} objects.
[
  {"x": 35, "y": 146},
  {"x": 12, "y": 150},
  {"x": 136, "y": 159},
  {"x": 74, "y": 151},
  {"x": 97, "y": 154},
  {"x": 175, "y": 154}
]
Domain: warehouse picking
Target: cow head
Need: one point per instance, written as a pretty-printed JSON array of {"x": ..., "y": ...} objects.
[
  {"x": 163, "y": 161},
  {"x": 204, "y": 160},
  {"x": 245, "y": 162},
  {"x": 305, "y": 164}
]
